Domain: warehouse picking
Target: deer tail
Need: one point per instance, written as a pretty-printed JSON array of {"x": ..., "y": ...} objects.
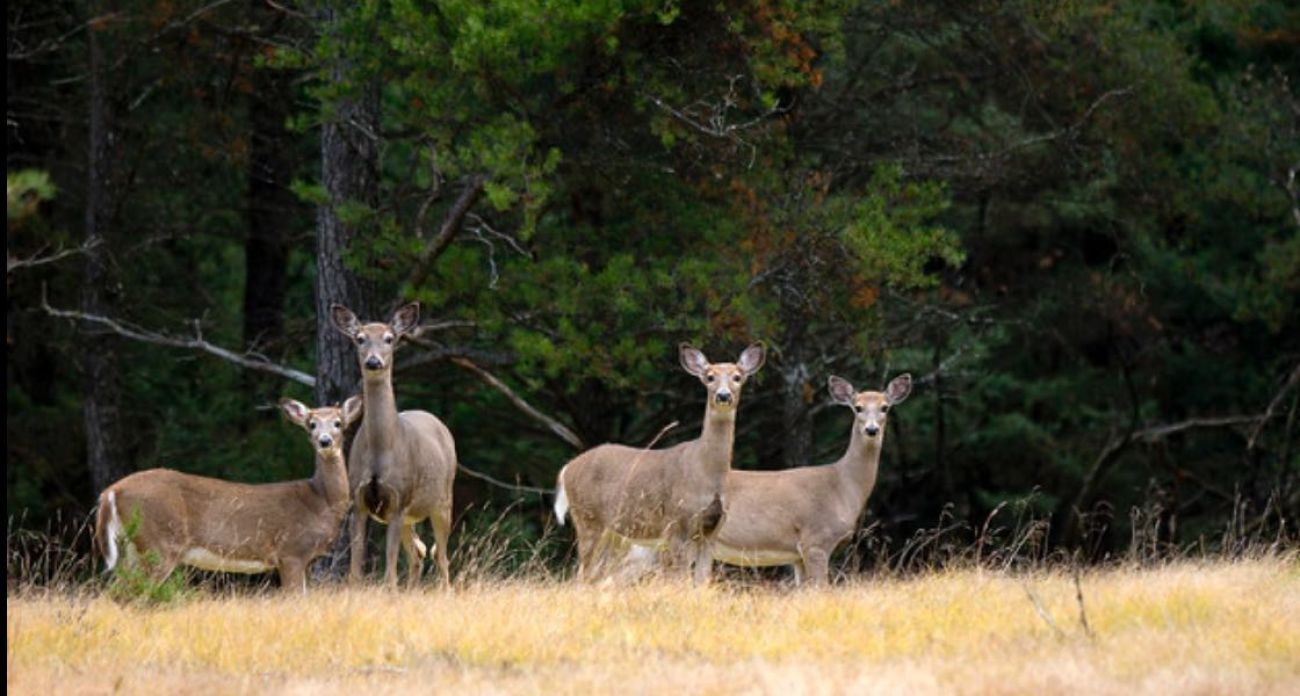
[
  {"x": 108, "y": 527},
  {"x": 561, "y": 499}
]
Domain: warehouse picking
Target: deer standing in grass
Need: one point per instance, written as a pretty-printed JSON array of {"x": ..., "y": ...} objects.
[
  {"x": 168, "y": 518},
  {"x": 799, "y": 516},
  {"x": 402, "y": 465},
  {"x": 670, "y": 497}
]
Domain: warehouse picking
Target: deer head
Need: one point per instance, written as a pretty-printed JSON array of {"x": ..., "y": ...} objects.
[
  {"x": 723, "y": 381},
  {"x": 375, "y": 341},
  {"x": 871, "y": 408},
  {"x": 324, "y": 425}
]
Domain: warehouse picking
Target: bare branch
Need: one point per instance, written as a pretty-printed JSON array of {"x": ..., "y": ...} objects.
[
  {"x": 13, "y": 264},
  {"x": 1291, "y": 381},
  {"x": 711, "y": 118},
  {"x": 1161, "y": 431},
  {"x": 502, "y": 484},
  {"x": 942, "y": 368},
  {"x": 444, "y": 325},
  {"x": 1070, "y": 130},
  {"x": 560, "y": 430},
  {"x": 450, "y": 226},
  {"x": 250, "y": 361}
]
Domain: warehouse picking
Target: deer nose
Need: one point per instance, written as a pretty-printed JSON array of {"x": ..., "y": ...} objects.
[
  {"x": 871, "y": 430},
  {"x": 373, "y": 363},
  {"x": 326, "y": 441},
  {"x": 724, "y": 397}
]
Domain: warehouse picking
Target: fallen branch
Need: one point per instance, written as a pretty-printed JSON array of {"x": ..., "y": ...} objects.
[{"x": 252, "y": 361}]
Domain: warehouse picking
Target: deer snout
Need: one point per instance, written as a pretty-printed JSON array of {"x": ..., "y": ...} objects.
[
  {"x": 325, "y": 441},
  {"x": 374, "y": 363},
  {"x": 871, "y": 430},
  {"x": 723, "y": 397}
]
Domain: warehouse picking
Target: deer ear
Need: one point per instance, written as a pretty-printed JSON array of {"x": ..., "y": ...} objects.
[
  {"x": 352, "y": 409},
  {"x": 841, "y": 391},
  {"x": 295, "y": 411},
  {"x": 753, "y": 358},
  {"x": 344, "y": 320},
  {"x": 899, "y": 388},
  {"x": 405, "y": 318},
  {"x": 693, "y": 360}
]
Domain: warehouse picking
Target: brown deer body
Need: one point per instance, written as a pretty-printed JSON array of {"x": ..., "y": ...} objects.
[
  {"x": 402, "y": 465},
  {"x": 170, "y": 518},
  {"x": 799, "y": 516},
  {"x": 670, "y": 497}
]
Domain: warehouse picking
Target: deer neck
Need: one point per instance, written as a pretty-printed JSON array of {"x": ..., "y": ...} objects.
[
  {"x": 331, "y": 480},
  {"x": 716, "y": 441},
  {"x": 380, "y": 419},
  {"x": 859, "y": 466}
]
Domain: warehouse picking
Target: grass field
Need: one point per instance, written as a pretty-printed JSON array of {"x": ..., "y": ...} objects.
[{"x": 1186, "y": 628}]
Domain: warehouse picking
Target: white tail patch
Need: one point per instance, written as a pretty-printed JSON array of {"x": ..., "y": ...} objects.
[
  {"x": 421, "y": 550},
  {"x": 112, "y": 533},
  {"x": 207, "y": 560},
  {"x": 561, "y": 500}
]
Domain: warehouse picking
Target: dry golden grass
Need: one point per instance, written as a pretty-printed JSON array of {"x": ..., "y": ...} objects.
[{"x": 1182, "y": 628}]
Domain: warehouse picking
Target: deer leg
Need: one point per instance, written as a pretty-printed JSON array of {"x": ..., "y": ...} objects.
[
  {"x": 293, "y": 576},
  {"x": 585, "y": 542},
  {"x": 357, "y": 565},
  {"x": 799, "y": 572},
  {"x": 684, "y": 550},
  {"x": 414, "y": 554},
  {"x": 393, "y": 541},
  {"x": 599, "y": 555},
  {"x": 441, "y": 532},
  {"x": 159, "y": 563},
  {"x": 816, "y": 562},
  {"x": 703, "y": 561}
]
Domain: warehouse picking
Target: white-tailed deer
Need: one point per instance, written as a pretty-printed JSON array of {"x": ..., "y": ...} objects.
[
  {"x": 669, "y": 497},
  {"x": 799, "y": 516},
  {"x": 168, "y": 518},
  {"x": 402, "y": 465}
]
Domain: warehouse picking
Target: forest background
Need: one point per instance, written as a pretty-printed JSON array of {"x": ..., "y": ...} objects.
[{"x": 1074, "y": 223}]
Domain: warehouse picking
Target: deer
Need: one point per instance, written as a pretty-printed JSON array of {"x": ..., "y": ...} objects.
[
  {"x": 168, "y": 518},
  {"x": 799, "y": 516},
  {"x": 670, "y": 498},
  {"x": 402, "y": 466}
]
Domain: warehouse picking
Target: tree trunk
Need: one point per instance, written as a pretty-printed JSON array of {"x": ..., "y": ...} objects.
[
  {"x": 101, "y": 393},
  {"x": 349, "y": 174},
  {"x": 797, "y": 395}
]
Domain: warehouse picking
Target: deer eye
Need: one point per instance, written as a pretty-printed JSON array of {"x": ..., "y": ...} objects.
[
  {"x": 338, "y": 424},
  {"x": 312, "y": 425},
  {"x": 708, "y": 378},
  {"x": 388, "y": 339},
  {"x": 735, "y": 378},
  {"x": 858, "y": 409},
  {"x": 884, "y": 409},
  {"x": 361, "y": 340}
]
